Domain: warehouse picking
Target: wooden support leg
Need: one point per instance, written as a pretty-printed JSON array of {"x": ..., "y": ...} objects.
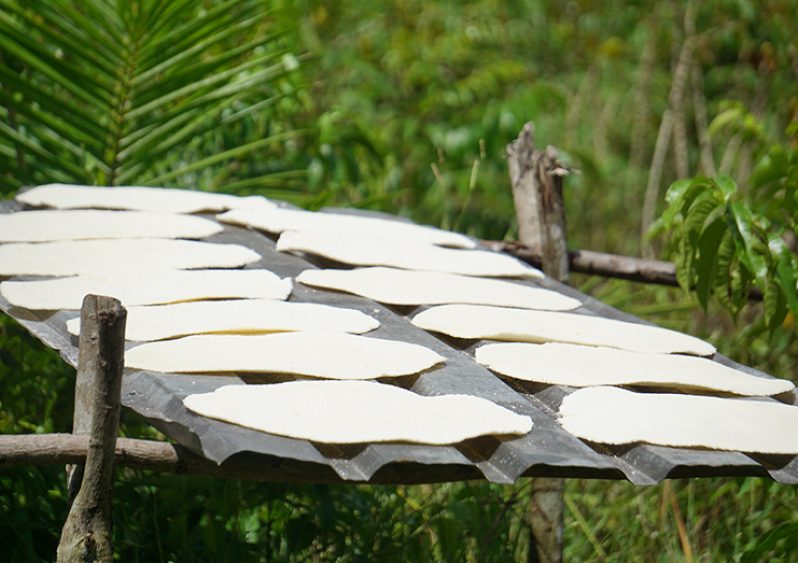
[
  {"x": 536, "y": 178},
  {"x": 544, "y": 518},
  {"x": 86, "y": 535}
]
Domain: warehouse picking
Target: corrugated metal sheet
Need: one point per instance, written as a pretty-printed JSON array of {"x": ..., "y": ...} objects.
[{"x": 547, "y": 450}]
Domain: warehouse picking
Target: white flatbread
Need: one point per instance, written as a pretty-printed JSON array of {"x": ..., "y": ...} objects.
[
  {"x": 351, "y": 412},
  {"x": 609, "y": 415},
  {"x": 327, "y": 355},
  {"x": 67, "y": 196},
  {"x": 274, "y": 219},
  {"x": 584, "y": 366},
  {"x": 523, "y": 325},
  {"x": 370, "y": 250},
  {"x": 51, "y": 225},
  {"x": 146, "y": 288},
  {"x": 240, "y": 316},
  {"x": 71, "y": 257},
  {"x": 406, "y": 287}
]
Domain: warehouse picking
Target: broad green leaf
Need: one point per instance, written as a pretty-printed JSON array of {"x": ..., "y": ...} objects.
[
  {"x": 752, "y": 245},
  {"x": 699, "y": 188},
  {"x": 731, "y": 118},
  {"x": 771, "y": 167},
  {"x": 723, "y": 272},
  {"x": 727, "y": 187},
  {"x": 786, "y": 273},
  {"x": 677, "y": 189},
  {"x": 774, "y": 304},
  {"x": 707, "y": 262},
  {"x": 696, "y": 216}
]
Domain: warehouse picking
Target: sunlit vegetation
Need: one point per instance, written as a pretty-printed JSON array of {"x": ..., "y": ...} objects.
[{"x": 406, "y": 107}]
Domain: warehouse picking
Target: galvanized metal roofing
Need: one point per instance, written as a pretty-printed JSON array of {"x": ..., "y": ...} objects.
[{"x": 547, "y": 450}]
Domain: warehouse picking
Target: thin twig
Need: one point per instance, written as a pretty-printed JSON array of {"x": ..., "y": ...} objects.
[
  {"x": 655, "y": 177},
  {"x": 642, "y": 104},
  {"x": 702, "y": 122},
  {"x": 666, "y": 126}
]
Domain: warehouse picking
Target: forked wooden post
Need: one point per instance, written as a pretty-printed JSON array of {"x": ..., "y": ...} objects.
[
  {"x": 536, "y": 178},
  {"x": 86, "y": 535}
]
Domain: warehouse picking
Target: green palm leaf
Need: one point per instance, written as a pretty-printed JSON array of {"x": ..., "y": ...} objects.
[{"x": 143, "y": 91}]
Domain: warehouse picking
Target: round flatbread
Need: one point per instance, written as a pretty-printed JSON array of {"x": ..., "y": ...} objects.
[
  {"x": 522, "y": 325},
  {"x": 585, "y": 366},
  {"x": 277, "y": 220},
  {"x": 146, "y": 287},
  {"x": 608, "y": 415},
  {"x": 71, "y": 257},
  {"x": 52, "y": 225},
  {"x": 374, "y": 251},
  {"x": 68, "y": 196},
  {"x": 406, "y": 287},
  {"x": 327, "y": 355},
  {"x": 352, "y": 412},
  {"x": 239, "y": 316}
]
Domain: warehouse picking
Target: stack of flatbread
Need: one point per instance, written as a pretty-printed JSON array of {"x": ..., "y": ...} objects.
[
  {"x": 474, "y": 294},
  {"x": 199, "y": 307},
  {"x": 204, "y": 307},
  {"x": 602, "y": 357}
]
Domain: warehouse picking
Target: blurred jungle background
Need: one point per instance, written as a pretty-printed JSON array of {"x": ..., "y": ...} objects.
[{"x": 406, "y": 106}]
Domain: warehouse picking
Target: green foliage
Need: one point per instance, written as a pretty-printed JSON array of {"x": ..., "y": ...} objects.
[
  {"x": 148, "y": 91},
  {"x": 35, "y": 397},
  {"x": 406, "y": 106},
  {"x": 724, "y": 249}
]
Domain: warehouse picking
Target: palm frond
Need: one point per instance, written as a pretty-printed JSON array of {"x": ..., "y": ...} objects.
[{"x": 140, "y": 91}]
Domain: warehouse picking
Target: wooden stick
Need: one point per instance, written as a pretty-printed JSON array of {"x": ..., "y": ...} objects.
[
  {"x": 58, "y": 449},
  {"x": 607, "y": 265},
  {"x": 163, "y": 457},
  {"x": 86, "y": 535},
  {"x": 600, "y": 263},
  {"x": 536, "y": 178}
]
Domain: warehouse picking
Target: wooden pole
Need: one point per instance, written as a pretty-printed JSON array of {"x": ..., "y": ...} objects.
[
  {"x": 536, "y": 178},
  {"x": 86, "y": 536},
  {"x": 58, "y": 449},
  {"x": 608, "y": 265}
]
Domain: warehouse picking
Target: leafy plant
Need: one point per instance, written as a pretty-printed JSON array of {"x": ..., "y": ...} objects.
[
  {"x": 724, "y": 249},
  {"x": 141, "y": 91}
]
